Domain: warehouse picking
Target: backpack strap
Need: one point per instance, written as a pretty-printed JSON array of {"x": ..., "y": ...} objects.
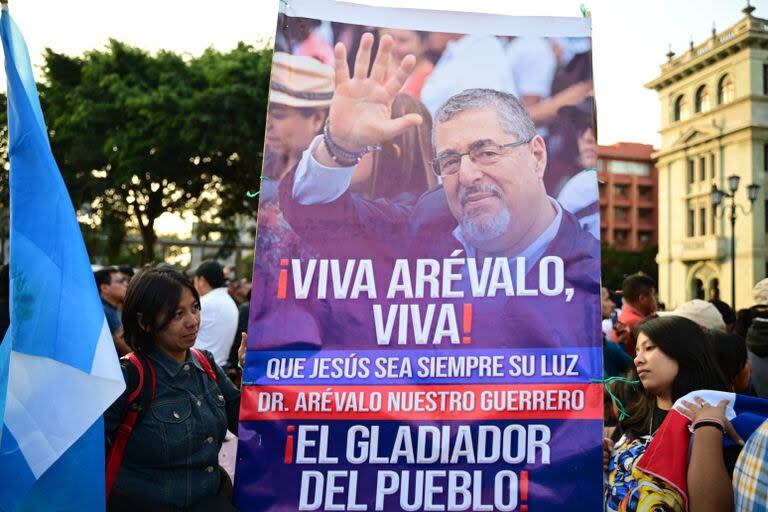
[
  {"x": 137, "y": 404},
  {"x": 202, "y": 358}
]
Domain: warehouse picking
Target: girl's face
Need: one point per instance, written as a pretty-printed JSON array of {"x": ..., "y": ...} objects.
[
  {"x": 655, "y": 369},
  {"x": 180, "y": 334}
]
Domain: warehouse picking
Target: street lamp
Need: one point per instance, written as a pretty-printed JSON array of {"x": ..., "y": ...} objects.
[{"x": 717, "y": 197}]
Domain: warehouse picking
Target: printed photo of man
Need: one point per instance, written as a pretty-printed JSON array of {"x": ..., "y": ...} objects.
[{"x": 492, "y": 201}]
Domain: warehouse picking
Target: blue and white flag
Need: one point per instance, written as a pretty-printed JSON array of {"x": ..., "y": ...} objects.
[{"x": 58, "y": 367}]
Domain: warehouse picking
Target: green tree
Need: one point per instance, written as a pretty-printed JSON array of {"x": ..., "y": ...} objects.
[
  {"x": 618, "y": 264},
  {"x": 137, "y": 135},
  {"x": 230, "y": 119}
]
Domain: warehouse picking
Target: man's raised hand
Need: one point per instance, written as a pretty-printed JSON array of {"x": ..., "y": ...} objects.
[{"x": 361, "y": 110}]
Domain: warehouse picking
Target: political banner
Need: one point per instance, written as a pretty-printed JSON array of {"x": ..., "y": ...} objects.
[{"x": 424, "y": 331}]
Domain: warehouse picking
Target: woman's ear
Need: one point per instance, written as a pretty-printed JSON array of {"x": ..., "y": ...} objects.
[{"x": 140, "y": 319}]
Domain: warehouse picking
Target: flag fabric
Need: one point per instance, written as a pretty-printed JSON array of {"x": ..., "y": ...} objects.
[
  {"x": 58, "y": 366},
  {"x": 666, "y": 457}
]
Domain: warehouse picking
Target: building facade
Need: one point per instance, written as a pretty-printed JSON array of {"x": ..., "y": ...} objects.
[
  {"x": 628, "y": 188},
  {"x": 714, "y": 123}
]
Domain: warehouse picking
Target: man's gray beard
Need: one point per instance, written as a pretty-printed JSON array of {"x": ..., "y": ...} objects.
[{"x": 481, "y": 229}]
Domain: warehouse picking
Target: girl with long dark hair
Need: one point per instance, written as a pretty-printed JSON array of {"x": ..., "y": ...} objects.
[{"x": 672, "y": 358}]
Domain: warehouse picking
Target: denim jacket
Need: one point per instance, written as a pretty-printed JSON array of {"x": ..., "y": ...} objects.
[{"x": 172, "y": 455}]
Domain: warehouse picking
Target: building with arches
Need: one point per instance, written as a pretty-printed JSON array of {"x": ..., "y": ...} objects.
[{"x": 714, "y": 123}]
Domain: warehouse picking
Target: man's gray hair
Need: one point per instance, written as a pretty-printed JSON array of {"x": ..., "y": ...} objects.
[{"x": 513, "y": 115}]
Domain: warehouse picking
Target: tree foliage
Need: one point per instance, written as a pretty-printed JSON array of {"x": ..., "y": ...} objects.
[
  {"x": 138, "y": 134},
  {"x": 618, "y": 264}
]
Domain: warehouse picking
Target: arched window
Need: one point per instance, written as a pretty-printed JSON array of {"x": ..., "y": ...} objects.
[
  {"x": 702, "y": 99},
  {"x": 682, "y": 110},
  {"x": 726, "y": 90}
]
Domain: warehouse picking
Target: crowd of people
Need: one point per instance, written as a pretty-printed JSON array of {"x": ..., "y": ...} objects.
[
  {"x": 664, "y": 355},
  {"x": 172, "y": 457},
  {"x": 182, "y": 337}
]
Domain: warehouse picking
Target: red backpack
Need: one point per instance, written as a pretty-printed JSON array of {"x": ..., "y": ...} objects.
[{"x": 138, "y": 403}]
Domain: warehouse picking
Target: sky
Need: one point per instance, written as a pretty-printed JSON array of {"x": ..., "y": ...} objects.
[{"x": 630, "y": 39}]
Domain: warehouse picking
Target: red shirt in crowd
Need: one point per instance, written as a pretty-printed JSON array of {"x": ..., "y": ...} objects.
[{"x": 629, "y": 317}]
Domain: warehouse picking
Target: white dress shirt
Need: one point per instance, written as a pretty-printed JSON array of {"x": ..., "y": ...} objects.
[{"x": 218, "y": 324}]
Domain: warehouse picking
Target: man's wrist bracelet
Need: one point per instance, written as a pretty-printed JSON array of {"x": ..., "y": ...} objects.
[
  {"x": 709, "y": 422},
  {"x": 339, "y": 160},
  {"x": 343, "y": 156}
]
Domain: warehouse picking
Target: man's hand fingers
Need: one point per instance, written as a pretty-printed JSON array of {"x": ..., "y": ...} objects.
[
  {"x": 396, "y": 81},
  {"x": 340, "y": 63},
  {"x": 242, "y": 349},
  {"x": 381, "y": 63},
  {"x": 395, "y": 127},
  {"x": 363, "y": 59}
]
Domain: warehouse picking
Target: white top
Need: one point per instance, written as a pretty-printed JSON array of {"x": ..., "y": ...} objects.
[
  {"x": 607, "y": 327},
  {"x": 472, "y": 62},
  {"x": 315, "y": 183},
  {"x": 218, "y": 324},
  {"x": 533, "y": 65},
  {"x": 578, "y": 193}
]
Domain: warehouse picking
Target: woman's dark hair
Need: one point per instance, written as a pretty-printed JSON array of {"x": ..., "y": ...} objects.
[
  {"x": 407, "y": 169},
  {"x": 730, "y": 353},
  {"x": 153, "y": 294},
  {"x": 686, "y": 343}
]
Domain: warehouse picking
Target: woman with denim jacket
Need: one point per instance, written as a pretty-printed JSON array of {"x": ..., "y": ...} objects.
[{"x": 171, "y": 458}]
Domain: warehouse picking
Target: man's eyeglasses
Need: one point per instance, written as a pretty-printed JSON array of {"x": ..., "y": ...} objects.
[{"x": 480, "y": 152}]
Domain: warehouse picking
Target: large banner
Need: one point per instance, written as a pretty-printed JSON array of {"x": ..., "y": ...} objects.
[{"x": 425, "y": 324}]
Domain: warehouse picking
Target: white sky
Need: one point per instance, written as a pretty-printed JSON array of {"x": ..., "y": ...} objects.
[{"x": 630, "y": 38}]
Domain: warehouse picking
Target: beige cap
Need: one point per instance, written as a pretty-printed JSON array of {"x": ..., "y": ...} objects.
[
  {"x": 700, "y": 311},
  {"x": 299, "y": 81},
  {"x": 760, "y": 292}
]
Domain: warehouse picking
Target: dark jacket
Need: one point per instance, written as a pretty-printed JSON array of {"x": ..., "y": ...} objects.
[{"x": 172, "y": 455}]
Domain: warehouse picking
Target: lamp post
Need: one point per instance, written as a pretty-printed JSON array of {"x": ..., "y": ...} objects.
[{"x": 717, "y": 197}]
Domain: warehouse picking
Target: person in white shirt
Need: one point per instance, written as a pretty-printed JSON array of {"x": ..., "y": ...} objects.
[
  {"x": 468, "y": 62},
  {"x": 218, "y": 312},
  {"x": 533, "y": 63}
]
